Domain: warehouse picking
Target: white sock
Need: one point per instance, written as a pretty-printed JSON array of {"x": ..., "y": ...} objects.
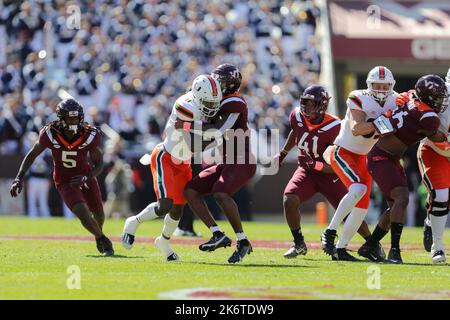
[
  {"x": 427, "y": 220},
  {"x": 438, "y": 227},
  {"x": 351, "y": 225},
  {"x": 438, "y": 222},
  {"x": 241, "y": 236},
  {"x": 148, "y": 213},
  {"x": 355, "y": 192},
  {"x": 215, "y": 229},
  {"x": 169, "y": 226}
]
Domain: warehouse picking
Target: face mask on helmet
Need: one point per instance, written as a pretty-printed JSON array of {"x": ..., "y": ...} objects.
[
  {"x": 380, "y": 91},
  {"x": 380, "y": 83},
  {"x": 209, "y": 108},
  {"x": 312, "y": 110},
  {"x": 72, "y": 121}
]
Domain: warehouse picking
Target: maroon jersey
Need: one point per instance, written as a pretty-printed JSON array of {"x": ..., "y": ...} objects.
[
  {"x": 313, "y": 139},
  {"x": 236, "y": 104},
  {"x": 414, "y": 121},
  {"x": 69, "y": 158}
]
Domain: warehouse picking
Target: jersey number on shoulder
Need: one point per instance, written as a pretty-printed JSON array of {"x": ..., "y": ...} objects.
[
  {"x": 303, "y": 145},
  {"x": 399, "y": 117},
  {"x": 67, "y": 162}
]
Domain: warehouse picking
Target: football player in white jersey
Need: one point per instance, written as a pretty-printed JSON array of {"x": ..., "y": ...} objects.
[
  {"x": 348, "y": 156},
  {"x": 434, "y": 166},
  {"x": 170, "y": 163}
]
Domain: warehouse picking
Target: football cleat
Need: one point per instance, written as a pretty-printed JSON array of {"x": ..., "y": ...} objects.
[
  {"x": 394, "y": 256},
  {"x": 427, "y": 237},
  {"x": 129, "y": 230},
  {"x": 163, "y": 246},
  {"x": 104, "y": 246},
  {"x": 327, "y": 238},
  {"x": 375, "y": 254},
  {"x": 381, "y": 251},
  {"x": 341, "y": 254},
  {"x": 438, "y": 256},
  {"x": 296, "y": 250},
  {"x": 186, "y": 233},
  {"x": 218, "y": 240},
  {"x": 243, "y": 247}
]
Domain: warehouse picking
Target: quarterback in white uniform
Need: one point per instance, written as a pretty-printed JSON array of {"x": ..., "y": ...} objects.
[
  {"x": 348, "y": 156},
  {"x": 170, "y": 163}
]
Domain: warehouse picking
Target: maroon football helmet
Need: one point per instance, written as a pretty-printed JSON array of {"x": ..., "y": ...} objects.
[
  {"x": 229, "y": 77},
  {"x": 432, "y": 91},
  {"x": 314, "y": 103},
  {"x": 70, "y": 114}
]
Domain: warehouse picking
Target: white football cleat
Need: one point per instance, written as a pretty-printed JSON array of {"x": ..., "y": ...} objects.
[
  {"x": 163, "y": 246},
  {"x": 438, "y": 256},
  {"x": 129, "y": 230}
]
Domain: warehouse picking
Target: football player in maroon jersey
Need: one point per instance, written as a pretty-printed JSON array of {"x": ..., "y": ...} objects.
[
  {"x": 224, "y": 179},
  {"x": 74, "y": 144},
  {"x": 312, "y": 130},
  {"x": 406, "y": 126}
]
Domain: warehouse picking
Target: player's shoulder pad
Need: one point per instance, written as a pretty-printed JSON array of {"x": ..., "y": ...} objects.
[
  {"x": 233, "y": 98},
  {"x": 356, "y": 98},
  {"x": 185, "y": 108},
  {"x": 297, "y": 114},
  {"x": 46, "y": 135},
  {"x": 329, "y": 122},
  {"x": 93, "y": 134}
]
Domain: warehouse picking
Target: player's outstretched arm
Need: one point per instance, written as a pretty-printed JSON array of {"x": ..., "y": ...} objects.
[
  {"x": 359, "y": 125},
  {"x": 17, "y": 185},
  {"x": 288, "y": 145}
]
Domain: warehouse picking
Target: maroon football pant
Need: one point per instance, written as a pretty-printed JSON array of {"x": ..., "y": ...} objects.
[
  {"x": 226, "y": 178},
  {"x": 386, "y": 170},
  {"x": 90, "y": 195},
  {"x": 306, "y": 183}
]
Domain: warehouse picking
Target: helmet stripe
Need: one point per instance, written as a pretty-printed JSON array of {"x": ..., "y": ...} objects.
[
  {"x": 213, "y": 85},
  {"x": 382, "y": 73}
]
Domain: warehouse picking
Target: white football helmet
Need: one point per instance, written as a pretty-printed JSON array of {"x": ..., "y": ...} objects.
[
  {"x": 380, "y": 74},
  {"x": 207, "y": 95}
]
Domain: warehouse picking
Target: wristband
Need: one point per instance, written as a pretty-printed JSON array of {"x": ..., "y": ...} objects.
[
  {"x": 318, "y": 166},
  {"x": 187, "y": 125},
  {"x": 284, "y": 152}
]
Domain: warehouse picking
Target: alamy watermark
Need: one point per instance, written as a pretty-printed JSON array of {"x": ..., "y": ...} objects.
[
  {"x": 73, "y": 281},
  {"x": 373, "y": 17},
  {"x": 373, "y": 277}
]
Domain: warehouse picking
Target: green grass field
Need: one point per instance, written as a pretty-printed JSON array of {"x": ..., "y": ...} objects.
[{"x": 37, "y": 268}]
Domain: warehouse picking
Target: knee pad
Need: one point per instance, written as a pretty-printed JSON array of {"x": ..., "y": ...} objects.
[
  {"x": 437, "y": 204},
  {"x": 357, "y": 190}
]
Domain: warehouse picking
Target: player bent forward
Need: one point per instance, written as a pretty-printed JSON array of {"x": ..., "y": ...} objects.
[
  {"x": 170, "y": 164},
  {"x": 71, "y": 140}
]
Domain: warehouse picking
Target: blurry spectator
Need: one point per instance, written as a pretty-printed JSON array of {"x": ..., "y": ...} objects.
[{"x": 129, "y": 59}]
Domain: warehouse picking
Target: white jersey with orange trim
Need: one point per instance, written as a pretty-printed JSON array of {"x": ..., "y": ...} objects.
[
  {"x": 362, "y": 100},
  {"x": 174, "y": 142}
]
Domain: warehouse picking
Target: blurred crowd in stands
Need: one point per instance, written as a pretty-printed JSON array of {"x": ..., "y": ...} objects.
[{"x": 127, "y": 60}]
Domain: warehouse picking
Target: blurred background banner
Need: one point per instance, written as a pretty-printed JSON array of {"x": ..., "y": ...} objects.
[{"x": 126, "y": 61}]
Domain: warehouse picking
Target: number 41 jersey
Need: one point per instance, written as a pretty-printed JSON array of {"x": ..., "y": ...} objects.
[
  {"x": 69, "y": 158},
  {"x": 313, "y": 139}
]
